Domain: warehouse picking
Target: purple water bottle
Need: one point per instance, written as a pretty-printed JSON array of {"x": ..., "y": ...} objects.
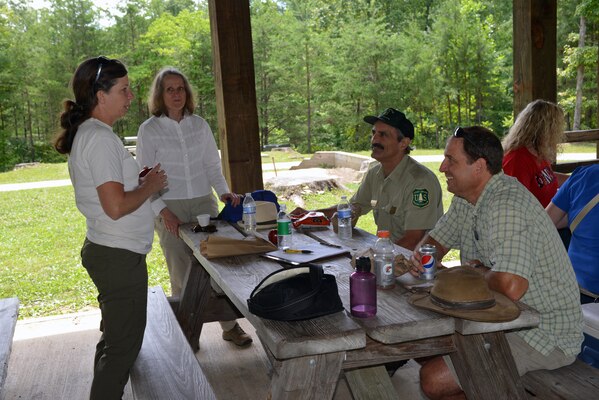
[{"x": 362, "y": 290}]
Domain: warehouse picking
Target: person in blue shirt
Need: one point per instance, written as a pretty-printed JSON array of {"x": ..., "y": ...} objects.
[{"x": 571, "y": 198}]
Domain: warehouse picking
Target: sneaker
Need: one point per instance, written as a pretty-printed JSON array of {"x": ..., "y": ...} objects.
[{"x": 237, "y": 336}]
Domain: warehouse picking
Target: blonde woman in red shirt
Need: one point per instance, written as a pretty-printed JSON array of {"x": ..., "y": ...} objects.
[{"x": 531, "y": 146}]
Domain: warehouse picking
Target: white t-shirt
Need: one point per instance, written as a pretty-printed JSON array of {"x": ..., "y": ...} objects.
[
  {"x": 187, "y": 151},
  {"x": 97, "y": 157}
]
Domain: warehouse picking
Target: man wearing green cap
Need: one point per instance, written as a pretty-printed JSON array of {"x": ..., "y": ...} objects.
[{"x": 404, "y": 195}]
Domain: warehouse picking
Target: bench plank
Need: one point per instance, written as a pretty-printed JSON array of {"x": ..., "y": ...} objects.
[
  {"x": 166, "y": 367},
  {"x": 572, "y": 382},
  {"x": 9, "y": 311}
]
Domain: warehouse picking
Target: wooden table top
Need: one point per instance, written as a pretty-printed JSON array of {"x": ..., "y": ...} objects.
[{"x": 396, "y": 321}]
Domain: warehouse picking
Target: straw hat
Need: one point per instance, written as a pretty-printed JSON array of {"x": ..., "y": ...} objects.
[
  {"x": 266, "y": 215},
  {"x": 463, "y": 292}
]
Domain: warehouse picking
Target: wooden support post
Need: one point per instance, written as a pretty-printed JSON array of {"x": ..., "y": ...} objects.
[
  {"x": 485, "y": 367},
  {"x": 535, "y": 50},
  {"x": 199, "y": 303},
  {"x": 236, "y": 94}
]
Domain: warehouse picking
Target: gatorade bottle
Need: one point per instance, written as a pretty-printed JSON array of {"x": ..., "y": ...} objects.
[{"x": 384, "y": 254}]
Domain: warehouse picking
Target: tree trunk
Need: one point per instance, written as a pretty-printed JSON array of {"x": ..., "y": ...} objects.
[
  {"x": 308, "y": 95},
  {"x": 449, "y": 113},
  {"x": 16, "y": 122},
  {"x": 579, "y": 75},
  {"x": 30, "y": 128}
]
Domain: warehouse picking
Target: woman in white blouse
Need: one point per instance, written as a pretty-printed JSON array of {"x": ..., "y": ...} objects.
[{"x": 183, "y": 144}]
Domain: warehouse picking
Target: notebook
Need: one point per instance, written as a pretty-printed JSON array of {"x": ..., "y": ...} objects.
[{"x": 318, "y": 252}]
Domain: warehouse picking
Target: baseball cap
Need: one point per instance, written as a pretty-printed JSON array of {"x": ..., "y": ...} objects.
[{"x": 396, "y": 119}]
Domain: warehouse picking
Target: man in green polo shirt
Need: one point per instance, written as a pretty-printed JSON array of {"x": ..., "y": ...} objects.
[
  {"x": 404, "y": 195},
  {"x": 502, "y": 229}
]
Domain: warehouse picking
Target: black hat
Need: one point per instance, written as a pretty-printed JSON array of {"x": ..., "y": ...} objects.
[{"x": 396, "y": 119}]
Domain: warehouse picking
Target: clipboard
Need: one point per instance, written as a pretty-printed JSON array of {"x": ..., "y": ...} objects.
[{"x": 318, "y": 252}]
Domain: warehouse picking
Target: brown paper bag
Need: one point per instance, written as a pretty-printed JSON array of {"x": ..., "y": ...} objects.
[{"x": 218, "y": 246}]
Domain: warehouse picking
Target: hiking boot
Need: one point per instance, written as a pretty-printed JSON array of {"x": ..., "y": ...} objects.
[{"x": 237, "y": 336}]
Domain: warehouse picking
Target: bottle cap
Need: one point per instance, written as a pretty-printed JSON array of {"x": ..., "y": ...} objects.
[
  {"x": 383, "y": 234},
  {"x": 363, "y": 264}
]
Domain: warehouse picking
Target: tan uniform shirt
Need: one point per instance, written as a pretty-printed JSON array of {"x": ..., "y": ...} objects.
[{"x": 409, "y": 198}]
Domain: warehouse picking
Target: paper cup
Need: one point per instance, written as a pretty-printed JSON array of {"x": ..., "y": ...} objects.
[{"x": 203, "y": 220}]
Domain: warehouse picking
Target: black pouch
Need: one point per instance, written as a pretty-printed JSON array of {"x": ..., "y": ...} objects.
[{"x": 295, "y": 294}]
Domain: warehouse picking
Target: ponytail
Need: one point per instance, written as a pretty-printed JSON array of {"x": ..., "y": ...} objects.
[{"x": 70, "y": 120}]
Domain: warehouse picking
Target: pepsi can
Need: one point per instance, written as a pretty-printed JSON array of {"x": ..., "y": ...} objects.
[{"x": 428, "y": 259}]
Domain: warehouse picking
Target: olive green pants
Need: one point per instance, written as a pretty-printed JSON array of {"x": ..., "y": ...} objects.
[{"x": 121, "y": 278}]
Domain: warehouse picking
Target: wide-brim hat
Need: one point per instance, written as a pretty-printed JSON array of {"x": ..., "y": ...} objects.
[
  {"x": 462, "y": 292},
  {"x": 396, "y": 119},
  {"x": 266, "y": 215}
]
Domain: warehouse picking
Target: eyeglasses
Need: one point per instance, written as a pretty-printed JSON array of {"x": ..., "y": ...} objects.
[{"x": 461, "y": 133}]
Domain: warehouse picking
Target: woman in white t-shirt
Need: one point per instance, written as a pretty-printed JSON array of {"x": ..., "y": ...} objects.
[
  {"x": 183, "y": 144},
  {"x": 119, "y": 218}
]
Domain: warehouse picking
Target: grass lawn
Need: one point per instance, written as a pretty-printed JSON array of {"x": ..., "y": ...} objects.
[{"x": 41, "y": 235}]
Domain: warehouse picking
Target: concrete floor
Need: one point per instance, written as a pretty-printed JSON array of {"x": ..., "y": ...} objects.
[{"x": 52, "y": 359}]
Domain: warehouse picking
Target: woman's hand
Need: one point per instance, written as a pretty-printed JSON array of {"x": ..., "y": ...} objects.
[
  {"x": 170, "y": 221},
  {"x": 153, "y": 180},
  {"x": 116, "y": 202},
  {"x": 234, "y": 198}
]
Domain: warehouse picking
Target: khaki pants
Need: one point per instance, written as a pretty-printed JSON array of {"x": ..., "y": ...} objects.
[
  {"x": 179, "y": 257},
  {"x": 121, "y": 277}
]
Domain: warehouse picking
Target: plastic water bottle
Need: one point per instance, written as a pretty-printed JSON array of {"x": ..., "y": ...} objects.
[
  {"x": 283, "y": 228},
  {"x": 249, "y": 214},
  {"x": 362, "y": 290},
  {"x": 344, "y": 228},
  {"x": 384, "y": 254}
]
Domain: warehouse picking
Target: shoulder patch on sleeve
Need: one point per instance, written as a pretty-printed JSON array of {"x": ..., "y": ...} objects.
[{"x": 420, "y": 198}]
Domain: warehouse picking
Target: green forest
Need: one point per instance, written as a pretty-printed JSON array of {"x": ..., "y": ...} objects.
[{"x": 320, "y": 65}]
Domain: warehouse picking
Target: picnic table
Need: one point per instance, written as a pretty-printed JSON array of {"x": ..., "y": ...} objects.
[{"x": 309, "y": 356}]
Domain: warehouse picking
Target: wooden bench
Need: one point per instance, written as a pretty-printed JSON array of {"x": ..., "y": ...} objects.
[
  {"x": 9, "y": 311},
  {"x": 166, "y": 367},
  {"x": 573, "y": 382}
]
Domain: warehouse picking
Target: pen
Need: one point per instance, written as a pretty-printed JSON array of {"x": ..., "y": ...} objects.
[{"x": 298, "y": 251}]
